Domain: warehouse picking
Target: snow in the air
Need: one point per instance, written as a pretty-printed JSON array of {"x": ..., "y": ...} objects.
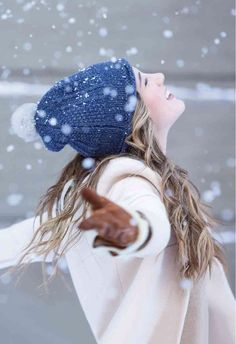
[
  {"x": 103, "y": 32},
  {"x": 77, "y": 39},
  {"x": 88, "y": 163},
  {"x": 66, "y": 129},
  {"x": 14, "y": 199},
  {"x": 168, "y": 34}
]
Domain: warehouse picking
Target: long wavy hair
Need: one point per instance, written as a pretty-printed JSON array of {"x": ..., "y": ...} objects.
[{"x": 188, "y": 216}]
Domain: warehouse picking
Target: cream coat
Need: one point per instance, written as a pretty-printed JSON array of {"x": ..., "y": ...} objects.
[{"x": 136, "y": 298}]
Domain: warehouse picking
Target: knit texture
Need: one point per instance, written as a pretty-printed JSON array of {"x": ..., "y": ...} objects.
[{"x": 90, "y": 110}]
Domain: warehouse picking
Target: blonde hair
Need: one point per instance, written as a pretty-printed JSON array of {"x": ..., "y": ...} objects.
[{"x": 187, "y": 214}]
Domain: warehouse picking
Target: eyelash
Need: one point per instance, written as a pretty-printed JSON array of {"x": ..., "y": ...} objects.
[{"x": 146, "y": 81}]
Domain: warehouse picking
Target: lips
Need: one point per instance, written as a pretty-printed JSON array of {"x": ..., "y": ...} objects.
[{"x": 170, "y": 96}]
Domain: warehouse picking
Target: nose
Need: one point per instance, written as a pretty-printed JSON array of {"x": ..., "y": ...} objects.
[{"x": 160, "y": 78}]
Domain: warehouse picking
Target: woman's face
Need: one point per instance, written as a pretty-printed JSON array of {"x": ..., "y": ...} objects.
[{"x": 164, "y": 112}]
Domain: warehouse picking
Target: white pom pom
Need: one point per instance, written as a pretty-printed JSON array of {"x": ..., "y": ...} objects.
[{"x": 22, "y": 122}]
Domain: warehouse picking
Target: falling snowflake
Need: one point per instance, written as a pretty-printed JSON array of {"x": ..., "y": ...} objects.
[
  {"x": 215, "y": 185},
  {"x": 71, "y": 20},
  {"x": 47, "y": 138},
  {"x": 167, "y": 33},
  {"x": 14, "y": 199},
  {"x": 233, "y": 12},
  {"x": 168, "y": 192},
  {"x": 88, "y": 163},
  {"x": 41, "y": 113},
  {"x": 27, "y": 46},
  {"x": 103, "y": 32},
  {"x": 106, "y": 91},
  {"x": 131, "y": 104},
  {"x": 227, "y": 214},
  {"x": 26, "y": 71},
  {"x": 186, "y": 283},
  {"x": 109, "y": 91},
  {"x": 68, "y": 49},
  {"x": 208, "y": 196},
  {"x": 223, "y": 34},
  {"x": 102, "y": 13},
  {"x": 6, "y": 15},
  {"x": 129, "y": 89},
  {"x": 204, "y": 51},
  {"x": 180, "y": 63},
  {"x": 132, "y": 51},
  {"x": 28, "y": 166},
  {"x": 60, "y": 7},
  {"x": 10, "y": 148},
  {"x": 66, "y": 129},
  {"x": 28, "y": 6},
  {"x": 119, "y": 118},
  {"x": 106, "y": 52},
  {"x": 53, "y": 121},
  {"x": 38, "y": 145},
  {"x": 216, "y": 41}
]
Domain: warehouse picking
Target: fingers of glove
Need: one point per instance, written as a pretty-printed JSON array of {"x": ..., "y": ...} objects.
[
  {"x": 104, "y": 225},
  {"x": 106, "y": 230},
  {"x": 111, "y": 227},
  {"x": 97, "y": 201},
  {"x": 124, "y": 225},
  {"x": 118, "y": 231},
  {"x": 91, "y": 223}
]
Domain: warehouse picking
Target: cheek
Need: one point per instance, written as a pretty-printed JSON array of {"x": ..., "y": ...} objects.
[
  {"x": 155, "y": 103},
  {"x": 159, "y": 108},
  {"x": 164, "y": 112}
]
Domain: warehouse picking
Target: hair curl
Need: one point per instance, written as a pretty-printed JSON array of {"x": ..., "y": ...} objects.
[{"x": 187, "y": 214}]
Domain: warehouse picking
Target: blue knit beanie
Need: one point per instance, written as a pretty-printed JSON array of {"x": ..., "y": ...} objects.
[{"x": 90, "y": 110}]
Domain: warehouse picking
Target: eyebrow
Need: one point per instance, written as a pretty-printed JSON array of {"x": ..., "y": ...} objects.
[{"x": 140, "y": 79}]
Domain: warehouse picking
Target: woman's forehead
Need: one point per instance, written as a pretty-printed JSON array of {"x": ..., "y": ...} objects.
[{"x": 135, "y": 68}]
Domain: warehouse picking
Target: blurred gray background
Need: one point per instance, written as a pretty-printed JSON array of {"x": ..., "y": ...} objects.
[{"x": 191, "y": 42}]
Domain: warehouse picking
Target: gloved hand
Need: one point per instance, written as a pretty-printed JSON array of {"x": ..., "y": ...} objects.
[{"x": 112, "y": 222}]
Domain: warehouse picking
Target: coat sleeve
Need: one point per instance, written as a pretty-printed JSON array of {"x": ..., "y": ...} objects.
[
  {"x": 222, "y": 307},
  {"x": 14, "y": 239},
  {"x": 139, "y": 197}
]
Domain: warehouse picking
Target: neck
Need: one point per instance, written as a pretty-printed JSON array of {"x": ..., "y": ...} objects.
[{"x": 161, "y": 137}]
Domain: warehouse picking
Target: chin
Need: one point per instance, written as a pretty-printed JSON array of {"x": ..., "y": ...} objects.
[{"x": 180, "y": 106}]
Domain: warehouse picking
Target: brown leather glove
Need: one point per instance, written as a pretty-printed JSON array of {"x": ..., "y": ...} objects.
[{"x": 110, "y": 220}]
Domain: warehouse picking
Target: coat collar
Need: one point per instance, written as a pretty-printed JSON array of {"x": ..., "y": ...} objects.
[
  {"x": 116, "y": 169},
  {"x": 122, "y": 167}
]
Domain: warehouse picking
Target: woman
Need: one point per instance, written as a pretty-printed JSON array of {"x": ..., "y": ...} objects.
[{"x": 146, "y": 268}]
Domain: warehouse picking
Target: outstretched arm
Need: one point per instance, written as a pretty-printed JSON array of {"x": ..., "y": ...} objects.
[
  {"x": 131, "y": 197},
  {"x": 14, "y": 239}
]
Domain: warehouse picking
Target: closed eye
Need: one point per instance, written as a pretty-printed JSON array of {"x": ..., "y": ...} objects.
[{"x": 140, "y": 79}]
